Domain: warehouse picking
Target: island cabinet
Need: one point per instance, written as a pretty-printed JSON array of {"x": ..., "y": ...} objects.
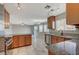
[
  {"x": 20, "y": 41},
  {"x": 72, "y": 13},
  {"x": 50, "y": 52},
  {"x": 56, "y": 39},
  {"x": 51, "y": 22}
]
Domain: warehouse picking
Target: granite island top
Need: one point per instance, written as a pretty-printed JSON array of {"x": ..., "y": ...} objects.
[{"x": 64, "y": 36}]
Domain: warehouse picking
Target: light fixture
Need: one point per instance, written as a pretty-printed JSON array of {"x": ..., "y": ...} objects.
[
  {"x": 18, "y": 6},
  {"x": 47, "y": 7}
]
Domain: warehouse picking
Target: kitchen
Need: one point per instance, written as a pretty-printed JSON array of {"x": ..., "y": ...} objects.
[{"x": 53, "y": 30}]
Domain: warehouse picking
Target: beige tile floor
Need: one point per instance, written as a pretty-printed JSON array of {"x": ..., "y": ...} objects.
[{"x": 27, "y": 50}]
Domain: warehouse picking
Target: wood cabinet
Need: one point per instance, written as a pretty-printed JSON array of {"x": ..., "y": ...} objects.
[
  {"x": 72, "y": 13},
  {"x": 2, "y": 44},
  {"x": 28, "y": 40},
  {"x": 56, "y": 39},
  {"x": 15, "y": 42},
  {"x": 20, "y": 41},
  {"x": 6, "y": 19},
  {"x": 50, "y": 53},
  {"x": 51, "y": 22}
]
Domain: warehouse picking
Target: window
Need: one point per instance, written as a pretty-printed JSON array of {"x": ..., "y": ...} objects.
[
  {"x": 61, "y": 25},
  {"x": 40, "y": 28},
  {"x": 35, "y": 27},
  {"x": 53, "y": 24},
  {"x": 46, "y": 28}
]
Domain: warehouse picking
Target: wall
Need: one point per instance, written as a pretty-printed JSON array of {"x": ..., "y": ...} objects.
[
  {"x": 19, "y": 29},
  {"x": 1, "y": 29}
]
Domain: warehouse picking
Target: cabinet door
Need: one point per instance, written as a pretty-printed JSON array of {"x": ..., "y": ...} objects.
[
  {"x": 60, "y": 39},
  {"x": 50, "y": 21},
  {"x": 53, "y": 39},
  {"x": 21, "y": 40},
  {"x": 28, "y": 40},
  {"x": 56, "y": 39},
  {"x": 15, "y": 41},
  {"x": 50, "y": 53},
  {"x": 72, "y": 13},
  {"x": 6, "y": 19}
]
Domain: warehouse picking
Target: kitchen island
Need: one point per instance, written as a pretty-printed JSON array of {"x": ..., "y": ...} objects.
[{"x": 62, "y": 44}]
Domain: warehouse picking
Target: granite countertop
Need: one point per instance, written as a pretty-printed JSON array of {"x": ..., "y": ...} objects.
[{"x": 64, "y": 36}]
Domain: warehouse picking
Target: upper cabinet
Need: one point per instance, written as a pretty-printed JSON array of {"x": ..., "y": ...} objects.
[
  {"x": 72, "y": 13},
  {"x": 6, "y": 19},
  {"x": 51, "y": 22}
]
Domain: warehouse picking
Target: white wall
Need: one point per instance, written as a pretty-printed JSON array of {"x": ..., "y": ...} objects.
[{"x": 19, "y": 29}]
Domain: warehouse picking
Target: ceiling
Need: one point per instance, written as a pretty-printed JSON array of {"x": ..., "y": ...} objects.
[{"x": 32, "y": 13}]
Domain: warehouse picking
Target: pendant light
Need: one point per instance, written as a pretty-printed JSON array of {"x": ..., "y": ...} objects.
[{"x": 18, "y": 6}]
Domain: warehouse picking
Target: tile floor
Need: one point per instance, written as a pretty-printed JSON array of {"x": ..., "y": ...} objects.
[{"x": 27, "y": 50}]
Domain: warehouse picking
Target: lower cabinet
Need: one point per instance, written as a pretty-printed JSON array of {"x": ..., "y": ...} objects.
[
  {"x": 56, "y": 39},
  {"x": 50, "y": 53},
  {"x": 20, "y": 40},
  {"x": 15, "y": 42},
  {"x": 28, "y": 40},
  {"x": 2, "y": 44}
]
